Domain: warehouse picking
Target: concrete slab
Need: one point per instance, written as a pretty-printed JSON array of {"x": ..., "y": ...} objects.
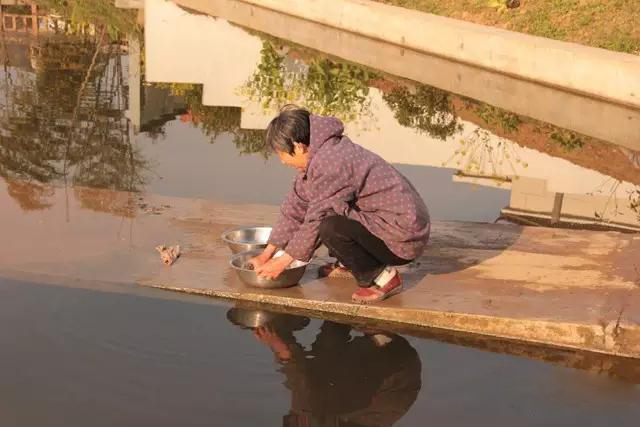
[{"x": 561, "y": 288}]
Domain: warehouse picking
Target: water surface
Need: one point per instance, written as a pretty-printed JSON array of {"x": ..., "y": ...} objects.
[
  {"x": 162, "y": 112},
  {"x": 85, "y": 357}
]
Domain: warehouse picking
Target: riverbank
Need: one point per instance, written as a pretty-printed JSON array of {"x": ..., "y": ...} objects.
[
  {"x": 608, "y": 25},
  {"x": 559, "y": 288},
  {"x": 592, "y": 72}
]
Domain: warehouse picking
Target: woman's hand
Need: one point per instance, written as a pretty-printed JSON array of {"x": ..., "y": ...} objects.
[
  {"x": 275, "y": 343},
  {"x": 274, "y": 267},
  {"x": 257, "y": 261},
  {"x": 260, "y": 260}
]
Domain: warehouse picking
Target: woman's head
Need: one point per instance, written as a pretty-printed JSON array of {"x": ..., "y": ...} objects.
[{"x": 288, "y": 135}]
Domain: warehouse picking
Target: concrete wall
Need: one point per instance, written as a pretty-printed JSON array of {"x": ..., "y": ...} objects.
[
  {"x": 536, "y": 195},
  {"x": 593, "y": 71},
  {"x": 561, "y": 108}
]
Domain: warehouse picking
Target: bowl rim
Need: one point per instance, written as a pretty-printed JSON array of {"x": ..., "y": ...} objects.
[{"x": 224, "y": 234}]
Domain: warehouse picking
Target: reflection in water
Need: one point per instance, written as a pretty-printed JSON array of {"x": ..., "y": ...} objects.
[
  {"x": 405, "y": 120},
  {"x": 216, "y": 121},
  {"x": 76, "y": 102},
  {"x": 341, "y": 380},
  {"x": 322, "y": 85},
  {"x": 64, "y": 119},
  {"x": 30, "y": 195},
  {"x": 427, "y": 109}
]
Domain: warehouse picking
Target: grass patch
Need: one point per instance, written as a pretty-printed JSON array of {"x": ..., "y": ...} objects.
[{"x": 610, "y": 24}]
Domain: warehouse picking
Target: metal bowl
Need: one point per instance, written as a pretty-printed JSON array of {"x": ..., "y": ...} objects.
[
  {"x": 246, "y": 239},
  {"x": 250, "y": 318},
  {"x": 255, "y": 318},
  {"x": 290, "y": 277}
]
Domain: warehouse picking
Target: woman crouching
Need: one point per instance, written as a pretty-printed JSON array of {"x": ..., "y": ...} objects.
[{"x": 360, "y": 207}]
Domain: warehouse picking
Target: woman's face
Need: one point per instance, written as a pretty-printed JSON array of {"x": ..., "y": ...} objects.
[{"x": 298, "y": 160}]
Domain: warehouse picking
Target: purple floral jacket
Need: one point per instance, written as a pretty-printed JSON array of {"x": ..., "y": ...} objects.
[{"x": 343, "y": 178}]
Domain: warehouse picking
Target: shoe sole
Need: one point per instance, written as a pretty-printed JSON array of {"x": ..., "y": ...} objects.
[
  {"x": 336, "y": 275},
  {"x": 384, "y": 297}
]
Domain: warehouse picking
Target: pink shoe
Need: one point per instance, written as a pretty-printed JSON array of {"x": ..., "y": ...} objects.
[
  {"x": 335, "y": 270},
  {"x": 378, "y": 293}
]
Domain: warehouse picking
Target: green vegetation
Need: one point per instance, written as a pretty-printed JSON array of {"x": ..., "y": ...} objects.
[
  {"x": 494, "y": 116},
  {"x": 567, "y": 139},
  {"x": 79, "y": 13},
  {"x": 480, "y": 154},
  {"x": 320, "y": 85},
  {"x": 610, "y": 24},
  {"x": 429, "y": 110}
]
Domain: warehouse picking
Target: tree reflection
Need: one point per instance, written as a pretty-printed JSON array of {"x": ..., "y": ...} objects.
[
  {"x": 317, "y": 83},
  {"x": 78, "y": 14},
  {"x": 64, "y": 120},
  {"x": 427, "y": 109},
  {"x": 484, "y": 155},
  {"x": 216, "y": 121},
  {"x": 30, "y": 195}
]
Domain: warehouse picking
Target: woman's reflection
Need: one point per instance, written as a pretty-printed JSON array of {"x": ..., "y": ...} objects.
[{"x": 370, "y": 378}]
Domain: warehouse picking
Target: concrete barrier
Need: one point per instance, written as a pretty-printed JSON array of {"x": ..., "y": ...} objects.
[
  {"x": 592, "y": 71},
  {"x": 566, "y": 109}
]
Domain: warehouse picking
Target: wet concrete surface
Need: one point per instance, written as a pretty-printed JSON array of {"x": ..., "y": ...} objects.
[{"x": 567, "y": 288}]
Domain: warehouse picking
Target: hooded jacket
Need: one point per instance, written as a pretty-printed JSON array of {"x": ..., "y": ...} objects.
[{"x": 343, "y": 178}]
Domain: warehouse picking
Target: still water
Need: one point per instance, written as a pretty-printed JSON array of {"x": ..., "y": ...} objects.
[
  {"x": 158, "y": 111},
  {"x": 78, "y": 357}
]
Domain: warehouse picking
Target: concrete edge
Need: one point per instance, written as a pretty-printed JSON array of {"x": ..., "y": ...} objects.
[
  {"x": 610, "y": 339},
  {"x": 593, "y": 71}
]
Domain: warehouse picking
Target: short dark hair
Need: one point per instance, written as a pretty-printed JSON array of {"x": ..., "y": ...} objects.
[{"x": 289, "y": 126}]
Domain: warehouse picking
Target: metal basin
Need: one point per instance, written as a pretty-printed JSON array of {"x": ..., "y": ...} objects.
[
  {"x": 250, "y": 318},
  {"x": 290, "y": 277},
  {"x": 246, "y": 239},
  {"x": 255, "y": 318}
]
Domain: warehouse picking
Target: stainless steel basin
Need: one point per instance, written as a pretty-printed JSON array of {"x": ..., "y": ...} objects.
[
  {"x": 250, "y": 318},
  {"x": 290, "y": 277},
  {"x": 255, "y": 318},
  {"x": 246, "y": 239}
]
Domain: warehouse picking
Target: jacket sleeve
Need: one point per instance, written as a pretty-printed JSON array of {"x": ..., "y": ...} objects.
[
  {"x": 330, "y": 192},
  {"x": 292, "y": 213}
]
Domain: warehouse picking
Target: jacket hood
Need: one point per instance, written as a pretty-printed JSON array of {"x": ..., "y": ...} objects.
[{"x": 321, "y": 130}]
